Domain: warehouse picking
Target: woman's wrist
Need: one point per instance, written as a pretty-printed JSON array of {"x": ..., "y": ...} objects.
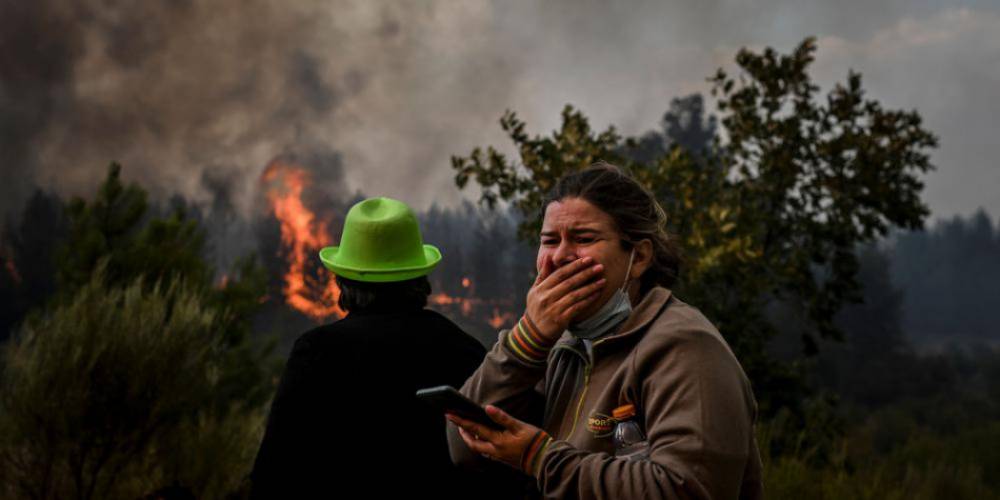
[
  {"x": 525, "y": 340},
  {"x": 532, "y": 456}
]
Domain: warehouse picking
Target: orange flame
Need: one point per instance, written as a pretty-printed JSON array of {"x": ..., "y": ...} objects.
[
  {"x": 468, "y": 304},
  {"x": 16, "y": 276},
  {"x": 498, "y": 319},
  {"x": 472, "y": 304},
  {"x": 302, "y": 235},
  {"x": 7, "y": 257},
  {"x": 443, "y": 299}
]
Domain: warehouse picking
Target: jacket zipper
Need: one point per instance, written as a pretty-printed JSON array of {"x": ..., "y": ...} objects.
[
  {"x": 583, "y": 395},
  {"x": 588, "y": 364}
]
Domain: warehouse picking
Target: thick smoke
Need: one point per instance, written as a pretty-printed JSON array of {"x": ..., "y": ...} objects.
[
  {"x": 35, "y": 70},
  {"x": 192, "y": 95},
  {"x": 175, "y": 89}
]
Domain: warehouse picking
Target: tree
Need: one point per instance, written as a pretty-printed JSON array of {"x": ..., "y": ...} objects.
[
  {"x": 772, "y": 212},
  {"x": 115, "y": 226},
  {"x": 684, "y": 125},
  {"x": 949, "y": 276},
  {"x": 874, "y": 364},
  {"x": 117, "y": 230},
  {"x": 186, "y": 407},
  {"x": 27, "y": 258}
]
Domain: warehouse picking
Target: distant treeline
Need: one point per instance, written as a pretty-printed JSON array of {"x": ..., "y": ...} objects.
[
  {"x": 478, "y": 245},
  {"x": 947, "y": 275},
  {"x": 950, "y": 279}
]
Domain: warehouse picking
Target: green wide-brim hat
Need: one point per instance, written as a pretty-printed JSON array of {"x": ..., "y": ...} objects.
[{"x": 381, "y": 243}]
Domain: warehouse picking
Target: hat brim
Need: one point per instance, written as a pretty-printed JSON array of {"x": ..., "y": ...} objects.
[{"x": 329, "y": 255}]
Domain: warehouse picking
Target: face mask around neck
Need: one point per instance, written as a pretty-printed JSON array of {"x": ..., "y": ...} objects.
[{"x": 610, "y": 315}]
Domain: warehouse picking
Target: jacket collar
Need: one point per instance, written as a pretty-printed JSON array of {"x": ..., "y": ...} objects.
[{"x": 642, "y": 314}]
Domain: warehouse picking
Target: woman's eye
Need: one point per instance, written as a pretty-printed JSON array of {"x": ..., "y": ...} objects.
[
  {"x": 585, "y": 240},
  {"x": 550, "y": 242}
]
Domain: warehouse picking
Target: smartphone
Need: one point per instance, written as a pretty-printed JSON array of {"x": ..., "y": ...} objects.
[{"x": 448, "y": 400}]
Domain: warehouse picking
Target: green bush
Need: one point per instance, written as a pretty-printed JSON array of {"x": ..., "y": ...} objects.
[{"x": 112, "y": 395}]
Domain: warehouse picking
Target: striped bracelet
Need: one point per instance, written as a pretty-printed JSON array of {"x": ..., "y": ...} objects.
[
  {"x": 524, "y": 340},
  {"x": 535, "y": 450}
]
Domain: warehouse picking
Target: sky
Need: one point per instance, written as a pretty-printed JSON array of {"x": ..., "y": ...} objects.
[{"x": 190, "y": 96}]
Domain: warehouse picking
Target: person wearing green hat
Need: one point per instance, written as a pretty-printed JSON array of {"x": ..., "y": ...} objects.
[{"x": 345, "y": 418}]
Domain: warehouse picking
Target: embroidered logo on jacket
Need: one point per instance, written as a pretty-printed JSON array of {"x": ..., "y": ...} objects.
[{"x": 601, "y": 425}]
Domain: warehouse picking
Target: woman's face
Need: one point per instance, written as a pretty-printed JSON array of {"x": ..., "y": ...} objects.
[{"x": 574, "y": 228}]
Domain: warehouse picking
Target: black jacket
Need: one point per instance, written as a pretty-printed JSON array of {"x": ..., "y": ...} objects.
[{"x": 345, "y": 422}]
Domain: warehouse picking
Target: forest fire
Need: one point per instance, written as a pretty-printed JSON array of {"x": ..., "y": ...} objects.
[
  {"x": 465, "y": 304},
  {"x": 302, "y": 236},
  {"x": 471, "y": 304},
  {"x": 314, "y": 292}
]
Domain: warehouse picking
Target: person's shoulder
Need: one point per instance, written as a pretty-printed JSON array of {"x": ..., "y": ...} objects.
[
  {"x": 683, "y": 344},
  {"x": 679, "y": 316},
  {"x": 321, "y": 336},
  {"x": 683, "y": 328},
  {"x": 432, "y": 316},
  {"x": 445, "y": 330}
]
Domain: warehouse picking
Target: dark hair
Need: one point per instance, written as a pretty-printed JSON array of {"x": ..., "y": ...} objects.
[
  {"x": 396, "y": 295},
  {"x": 636, "y": 213}
]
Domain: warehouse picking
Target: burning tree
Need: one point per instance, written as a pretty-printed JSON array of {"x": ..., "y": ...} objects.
[
  {"x": 477, "y": 283},
  {"x": 306, "y": 288}
]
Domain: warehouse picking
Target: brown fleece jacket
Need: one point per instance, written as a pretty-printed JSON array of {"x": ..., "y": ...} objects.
[{"x": 692, "y": 398}]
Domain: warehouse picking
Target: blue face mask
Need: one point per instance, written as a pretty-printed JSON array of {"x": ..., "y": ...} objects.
[{"x": 609, "y": 316}]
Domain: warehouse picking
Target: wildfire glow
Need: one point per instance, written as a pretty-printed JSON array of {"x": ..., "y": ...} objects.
[
  {"x": 465, "y": 303},
  {"x": 13, "y": 271},
  {"x": 7, "y": 257},
  {"x": 472, "y": 306},
  {"x": 498, "y": 319},
  {"x": 302, "y": 235}
]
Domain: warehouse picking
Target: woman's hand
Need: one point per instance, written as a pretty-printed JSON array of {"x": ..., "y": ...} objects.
[
  {"x": 507, "y": 446},
  {"x": 558, "y": 295}
]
